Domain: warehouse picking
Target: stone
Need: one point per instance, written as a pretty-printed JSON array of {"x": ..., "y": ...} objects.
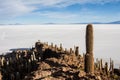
[{"x": 81, "y": 73}]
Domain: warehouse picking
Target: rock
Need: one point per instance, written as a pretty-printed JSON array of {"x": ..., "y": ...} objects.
[
  {"x": 0, "y": 76},
  {"x": 41, "y": 74},
  {"x": 81, "y": 73},
  {"x": 43, "y": 65},
  {"x": 52, "y": 78},
  {"x": 64, "y": 69},
  {"x": 98, "y": 78}
]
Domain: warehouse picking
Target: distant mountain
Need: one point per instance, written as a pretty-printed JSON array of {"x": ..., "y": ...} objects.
[
  {"x": 93, "y": 23},
  {"x": 115, "y": 22},
  {"x": 13, "y": 24}
]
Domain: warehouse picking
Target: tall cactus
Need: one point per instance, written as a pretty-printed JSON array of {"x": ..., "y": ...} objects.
[
  {"x": 89, "y": 39},
  {"x": 77, "y": 51},
  {"x": 111, "y": 69},
  {"x": 55, "y": 47},
  {"x": 101, "y": 62},
  {"x": 97, "y": 64},
  {"x": 61, "y": 48},
  {"x": 70, "y": 50},
  {"x": 106, "y": 68},
  {"x": 89, "y": 60},
  {"x": 100, "y": 65}
]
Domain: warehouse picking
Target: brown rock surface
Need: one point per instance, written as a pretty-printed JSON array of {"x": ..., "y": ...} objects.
[{"x": 52, "y": 68}]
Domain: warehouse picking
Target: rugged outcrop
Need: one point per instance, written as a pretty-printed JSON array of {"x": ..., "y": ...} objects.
[{"x": 50, "y": 62}]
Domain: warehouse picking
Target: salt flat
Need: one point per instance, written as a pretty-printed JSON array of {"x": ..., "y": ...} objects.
[{"x": 106, "y": 38}]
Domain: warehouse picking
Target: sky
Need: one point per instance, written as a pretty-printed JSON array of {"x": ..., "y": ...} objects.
[{"x": 58, "y": 11}]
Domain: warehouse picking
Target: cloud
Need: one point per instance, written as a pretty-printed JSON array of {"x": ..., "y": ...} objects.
[
  {"x": 56, "y": 15},
  {"x": 14, "y": 8},
  {"x": 65, "y": 3}
]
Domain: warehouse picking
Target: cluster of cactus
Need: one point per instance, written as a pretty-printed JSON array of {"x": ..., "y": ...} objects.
[
  {"x": 56, "y": 48},
  {"x": 14, "y": 62},
  {"x": 20, "y": 62},
  {"x": 89, "y": 60},
  {"x": 99, "y": 65},
  {"x": 106, "y": 70}
]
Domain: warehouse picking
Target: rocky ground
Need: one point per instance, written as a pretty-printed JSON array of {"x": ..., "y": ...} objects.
[
  {"x": 63, "y": 66},
  {"x": 48, "y": 62},
  {"x": 60, "y": 67}
]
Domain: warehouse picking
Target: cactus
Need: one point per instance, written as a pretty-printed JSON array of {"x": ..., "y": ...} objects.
[
  {"x": 111, "y": 69},
  {"x": 89, "y": 60},
  {"x": 70, "y": 50},
  {"x": 101, "y": 62},
  {"x": 77, "y": 51},
  {"x": 96, "y": 64},
  {"x": 65, "y": 50},
  {"x": 110, "y": 64},
  {"x": 89, "y": 64},
  {"x": 55, "y": 47},
  {"x": 100, "y": 65},
  {"x": 106, "y": 68},
  {"x": 51, "y": 45},
  {"x": 83, "y": 55},
  {"x": 7, "y": 61},
  {"x": 89, "y": 39},
  {"x": 34, "y": 56},
  {"x": 61, "y": 48},
  {"x": 2, "y": 61}
]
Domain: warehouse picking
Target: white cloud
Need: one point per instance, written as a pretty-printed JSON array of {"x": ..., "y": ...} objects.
[
  {"x": 13, "y": 8},
  {"x": 64, "y": 3},
  {"x": 57, "y": 15},
  {"x": 43, "y": 2}
]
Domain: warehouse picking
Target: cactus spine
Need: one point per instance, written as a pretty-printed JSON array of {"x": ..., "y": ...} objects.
[{"x": 89, "y": 60}]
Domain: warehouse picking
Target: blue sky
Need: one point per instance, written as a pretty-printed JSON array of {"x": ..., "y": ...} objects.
[{"x": 58, "y": 11}]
